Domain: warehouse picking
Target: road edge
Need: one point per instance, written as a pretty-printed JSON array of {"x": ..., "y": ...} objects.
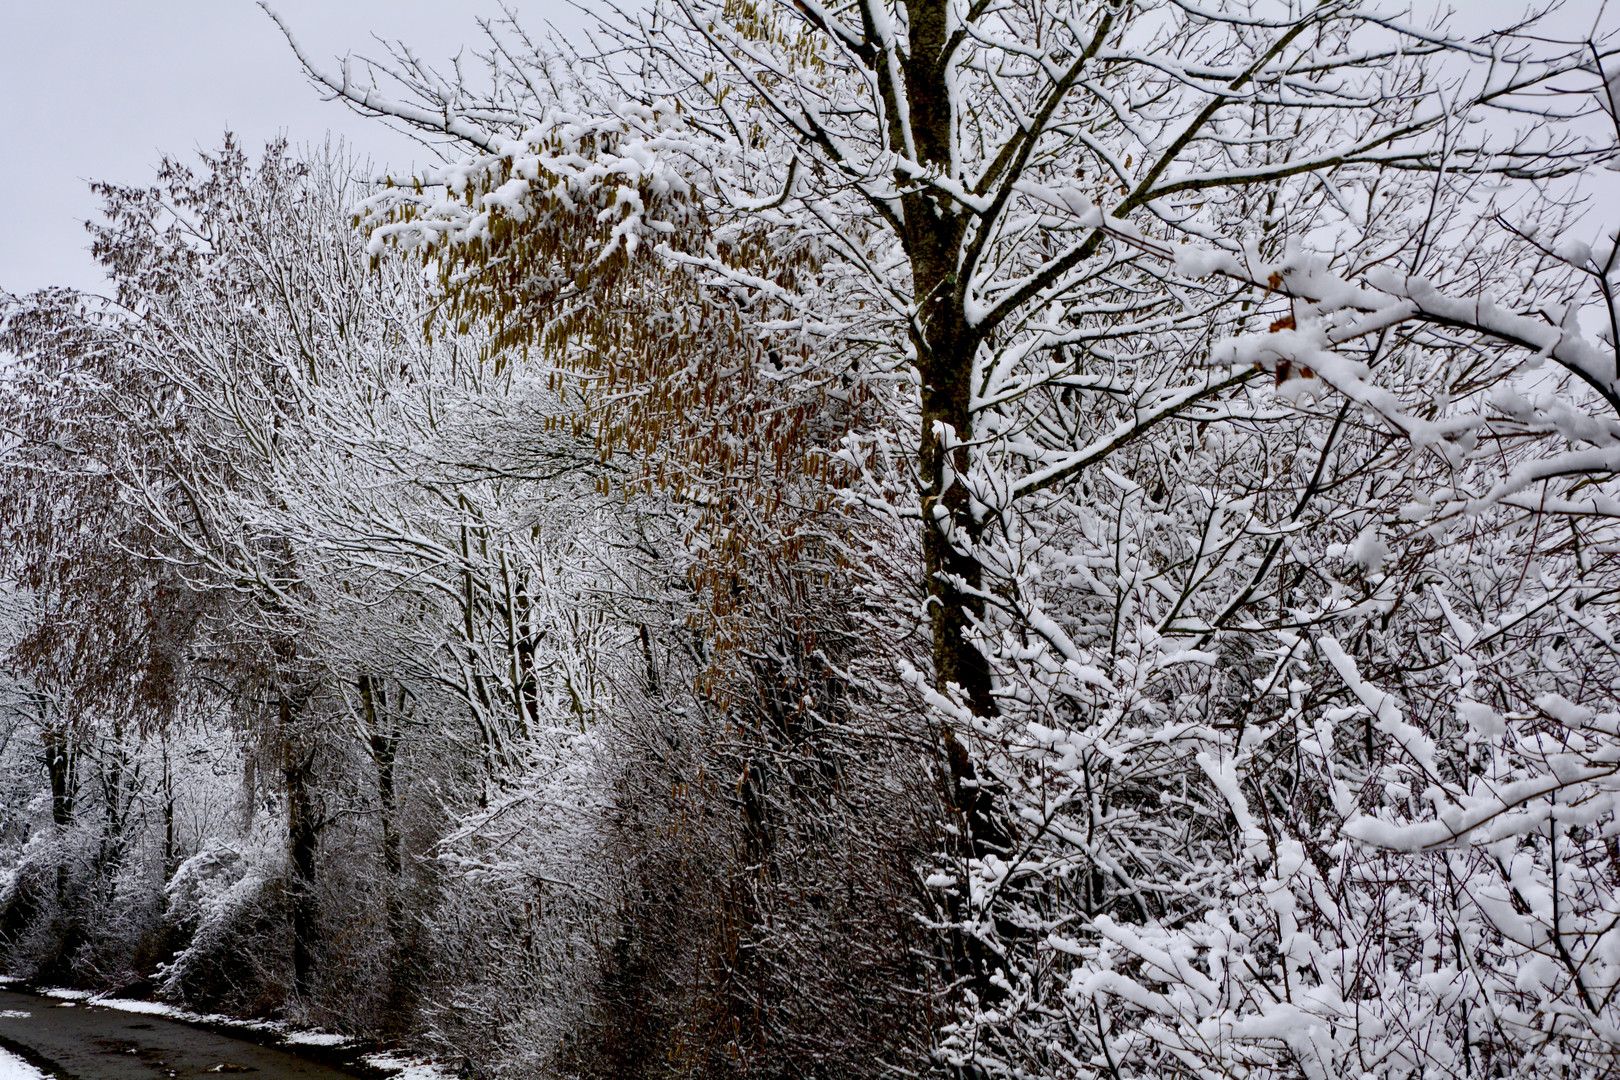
[{"x": 347, "y": 1058}]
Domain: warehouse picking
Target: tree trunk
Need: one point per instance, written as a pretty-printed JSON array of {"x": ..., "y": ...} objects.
[
  {"x": 303, "y": 834},
  {"x": 945, "y": 345},
  {"x": 114, "y": 770},
  {"x": 171, "y": 850},
  {"x": 384, "y": 745},
  {"x": 383, "y": 738},
  {"x": 61, "y": 764},
  {"x": 933, "y": 233}
]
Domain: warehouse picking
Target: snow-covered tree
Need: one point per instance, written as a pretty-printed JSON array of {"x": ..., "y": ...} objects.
[
  {"x": 250, "y": 512},
  {"x": 1056, "y": 539},
  {"x": 1213, "y": 380}
]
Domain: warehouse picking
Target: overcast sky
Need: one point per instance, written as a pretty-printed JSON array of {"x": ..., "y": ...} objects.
[{"x": 100, "y": 89}]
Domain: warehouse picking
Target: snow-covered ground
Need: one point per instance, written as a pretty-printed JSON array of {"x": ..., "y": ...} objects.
[
  {"x": 403, "y": 1068},
  {"x": 316, "y": 1038},
  {"x": 13, "y": 1067}
]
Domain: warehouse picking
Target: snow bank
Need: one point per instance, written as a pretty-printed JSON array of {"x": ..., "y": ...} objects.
[
  {"x": 13, "y": 1067},
  {"x": 316, "y": 1038},
  {"x": 403, "y": 1068}
]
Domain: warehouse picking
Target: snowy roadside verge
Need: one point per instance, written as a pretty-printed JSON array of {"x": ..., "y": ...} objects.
[
  {"x": 327, "y": 1047},
  {"x": 13, "y": 1067}
]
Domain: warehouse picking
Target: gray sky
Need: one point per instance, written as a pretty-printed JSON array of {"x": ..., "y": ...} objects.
[{"x": 101, "y": 89}]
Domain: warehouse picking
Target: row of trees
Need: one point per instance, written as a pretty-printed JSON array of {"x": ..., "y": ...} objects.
[
  {"x": 1061, "y": 539},
  {"x": 367, "y": 697}
]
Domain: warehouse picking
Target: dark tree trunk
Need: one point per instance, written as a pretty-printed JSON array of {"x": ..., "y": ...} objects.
[
  {"x": 384, "y": 745},
  {"x": 171, "y": 850},
  {"x": 115, "y": 808},
  {"x": 945, "y": 345},
  {"x": 383, "y": 737},
  {"x": 303, "y": 836},
  {"x": 61, "y": 764}
]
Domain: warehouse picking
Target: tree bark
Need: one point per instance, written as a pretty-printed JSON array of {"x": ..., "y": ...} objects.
[
  {"x": 945, "y": 345},
  {"x": 61, "y": 765},
  {"x": 303, "y": 835},
  {"x": 384, "y": 745},
  {"x": 383, "y": 738},
  {"x": 171, "y": 848}
]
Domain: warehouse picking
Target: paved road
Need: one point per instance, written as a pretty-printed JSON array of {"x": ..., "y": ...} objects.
[{"x": 87, "y": 1042}]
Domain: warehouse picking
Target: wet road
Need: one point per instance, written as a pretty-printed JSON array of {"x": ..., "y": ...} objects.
[{"x": 87, "y": 1042}]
